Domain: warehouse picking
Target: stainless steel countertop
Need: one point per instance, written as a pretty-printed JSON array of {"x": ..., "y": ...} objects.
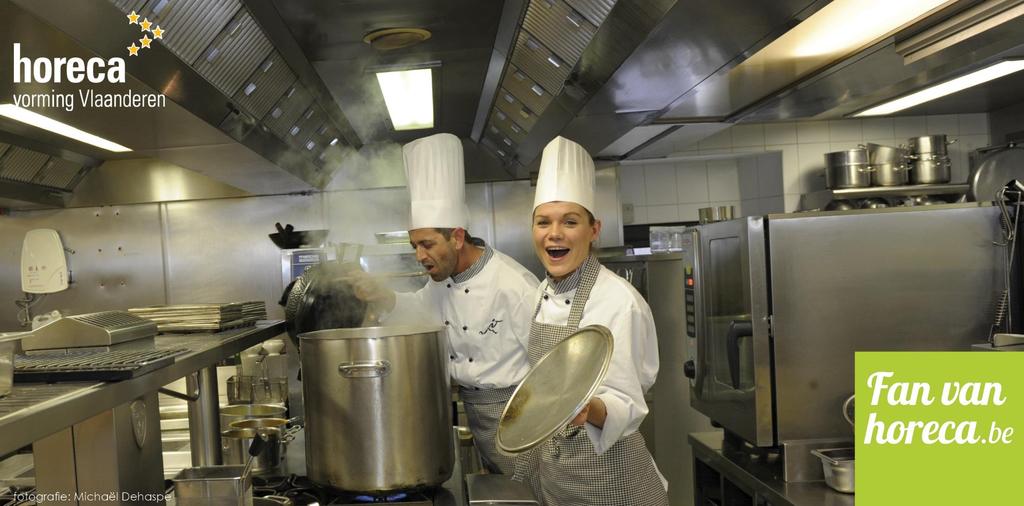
[
  {"x": 35, "y": 410},
  {"x": 707, "y": 446}
]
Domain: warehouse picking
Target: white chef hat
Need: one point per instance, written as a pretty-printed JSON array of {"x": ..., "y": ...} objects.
[
  {"x": 566, "y": 175},
  {"x": 437, "y": 182}
]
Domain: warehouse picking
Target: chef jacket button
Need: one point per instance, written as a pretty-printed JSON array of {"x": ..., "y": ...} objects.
[
  {"x": 470, "y": 359},
  {"x": 449, "y": 285},
  {"x": 446, "y": 322},
  {"x": 545, "y": 297},
  {"x": 567, "y": 301},
  {"x": 451, "y": 357},
  {"x": 465, "y": 327},
  {"x": 467, "y": 290}
]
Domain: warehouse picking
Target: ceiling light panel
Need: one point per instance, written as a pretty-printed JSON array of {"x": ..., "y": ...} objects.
[
  {"x": 28, "y": 117},
  {"x": 409, "y": 97},
  {"x": 946, "y": 88}
]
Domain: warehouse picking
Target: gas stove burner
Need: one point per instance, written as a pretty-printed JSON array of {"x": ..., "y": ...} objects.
[{"x": 392, "y": 498}]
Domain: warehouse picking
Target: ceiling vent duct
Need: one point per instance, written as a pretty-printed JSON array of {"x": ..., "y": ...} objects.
[{"x": 958, "y": 28}]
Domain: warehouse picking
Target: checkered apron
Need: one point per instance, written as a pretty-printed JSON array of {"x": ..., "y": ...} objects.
[
  {"x": 565, "y": 470},
  {"x": 483, "y": 409}
]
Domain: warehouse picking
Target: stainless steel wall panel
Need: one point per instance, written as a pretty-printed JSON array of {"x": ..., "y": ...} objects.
[
  {"x": 218, "y": 250},
  {"x": 191, "y": 24},
  {"x": 266, "y": 84},
  {"x": 515, "y": 110},
  {"x": 355, "y": 216},
  {"x": 513, "y": 208},
  {"x": 525, "y": 89},
  {"x": 609, "y": 209},
  {"x": 20, "y": 164},
  {"x": 674, "y": 418},
  {"x": 235, "y": 54},
  {"x": 59, "y": 173},
  {"x": 886, "y": 280},
  {"x": 540, "y": 63},
  {"x": 560, "y": 28},
  {"x": 116, "y": 264},
  {"x": 594, "y": 10},
  {"x": 289, "y": 107}
]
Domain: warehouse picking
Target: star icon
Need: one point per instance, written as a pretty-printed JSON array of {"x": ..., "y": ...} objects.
[
  {"x": 133, "y": 50},
  {"x": 133, "y": 18},
  {"x": 158, "y": 33},
  {"x": 145, "y": 41},
  {"x": 145, "y": 24}
]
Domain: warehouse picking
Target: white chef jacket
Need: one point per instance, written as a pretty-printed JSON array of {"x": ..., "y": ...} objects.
[
  {"x": 486, "y": 317},
  {"x": 615, "y": 304}
]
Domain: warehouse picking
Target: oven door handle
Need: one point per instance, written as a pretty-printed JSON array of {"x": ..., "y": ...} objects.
[{"x": 737, "y": 329}]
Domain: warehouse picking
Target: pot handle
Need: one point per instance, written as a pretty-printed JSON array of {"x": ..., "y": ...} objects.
[{"x": 367, "y": 369}]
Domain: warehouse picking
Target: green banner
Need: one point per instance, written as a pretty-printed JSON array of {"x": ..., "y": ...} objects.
[{"x": 939, "y": 428}]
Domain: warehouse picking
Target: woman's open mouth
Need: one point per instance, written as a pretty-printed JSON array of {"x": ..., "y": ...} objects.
[{"x": 557, "y": 253}]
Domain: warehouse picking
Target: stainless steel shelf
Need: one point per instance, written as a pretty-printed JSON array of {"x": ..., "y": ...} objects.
[
  {"x": 819, "y": 199},
  {"x": 33, "y": 411}
]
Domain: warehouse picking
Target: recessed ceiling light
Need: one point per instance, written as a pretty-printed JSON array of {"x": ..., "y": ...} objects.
[
  {"x": 38, "y": 120},
  {"x": 933, "y": 92},
  {"x": 409, "y": 97}
]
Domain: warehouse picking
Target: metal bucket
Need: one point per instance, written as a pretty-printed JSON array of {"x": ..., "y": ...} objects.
[
  {"x": 381, "y": 394},
  {"x": 235, "y": 442},
  {"x": 212, "y": 486}
]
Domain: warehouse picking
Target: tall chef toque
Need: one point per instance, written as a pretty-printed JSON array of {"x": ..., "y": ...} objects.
[
  {"x": 566, "y": 175},
  {"x": 437, "y": 182}
]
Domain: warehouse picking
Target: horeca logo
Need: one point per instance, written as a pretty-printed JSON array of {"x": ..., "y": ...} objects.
[{"x": 62, "y": 71}]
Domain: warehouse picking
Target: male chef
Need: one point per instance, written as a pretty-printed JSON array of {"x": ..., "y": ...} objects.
[{"x": 483, "y": 297}]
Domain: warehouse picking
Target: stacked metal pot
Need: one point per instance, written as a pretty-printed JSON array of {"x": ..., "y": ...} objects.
[
  {"x": 929, "y": 159},
  {"x": 925, "y": 160}
]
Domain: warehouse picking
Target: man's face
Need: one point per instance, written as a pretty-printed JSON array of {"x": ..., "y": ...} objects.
[{"x": 435, "y": 253}]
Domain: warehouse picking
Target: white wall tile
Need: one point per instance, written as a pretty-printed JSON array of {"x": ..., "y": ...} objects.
[
  {"x": 948, "y": 124},
  {"x": 723, "y": 180},
  {"x": 692, "y": 181},
  {"x": 909, "y": 126},
  {"x": 780, "y": 133},
  {"x": 750, "y": 207},
  {"x": 844, "y": 145},
  {"x": 845, "y": 130},
  {"x": 812, "y": 131},
  {"x": 748, "y": 177},
  {"x": 660, "y": 181},
  {"x": 631, "y": 185},
  {"x": 771, "y": 205},
  {"x": 640, "y": 215},
  {"x": 972, "y": 124},
  {"x": 770, "y": 175},
  {"x": 715, "y": 151},
  {"x": 662, "y": 214},
  {"x": 811, "y": 162},
  {"x": 747, "y": 135},
  {"x": 790, "y": 166},
  {"x": 718, "y": 140},
  {"x": 688, "y": 212},
  {"x": 878, "y": 128},
  {"x": 741, "y": 150},
  {"x": 792, "y": 202}
]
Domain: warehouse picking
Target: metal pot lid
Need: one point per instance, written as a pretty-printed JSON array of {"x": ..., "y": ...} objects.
[
  {"x": 996, "y": 170},
  {"x": 555, "y": 390}
]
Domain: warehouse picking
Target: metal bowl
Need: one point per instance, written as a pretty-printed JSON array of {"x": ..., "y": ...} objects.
[{"x": 555, "y": 390}]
